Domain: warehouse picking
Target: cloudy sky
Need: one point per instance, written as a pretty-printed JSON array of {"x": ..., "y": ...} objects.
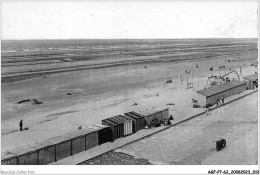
[{"x": 96, "y": 20}]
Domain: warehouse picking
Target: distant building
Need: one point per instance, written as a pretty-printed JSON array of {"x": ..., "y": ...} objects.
[
  {"x": 210, "y": 95},
  {"x": 251, "y": 81}
]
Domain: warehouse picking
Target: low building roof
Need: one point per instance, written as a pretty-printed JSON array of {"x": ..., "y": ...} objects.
[
  {"x": 40, "y": 145},
  {"x": 22, "y": 150},
  {"x": 79, "y": 133},
  {"x": 132, "y": 116},
  {"x": 137, "y": 114},
  {"x": 110, "y": 123},
  {"x": 7, "y": 155},
  {"x": 126, "y": 119},
  {"x": 119, "y": 119},
  {"x": 220, "y": 88},
  {"x": 253, "y": 77},
  {"x": 98, "y": 127},
  {"x": 147, "y": 112},
  {"x": 161, "y": 109},
  {"x": 58, "y": 139}
]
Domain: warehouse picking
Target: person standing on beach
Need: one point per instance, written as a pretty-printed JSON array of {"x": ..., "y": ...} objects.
[
  {"x": 223, "y": 98},
  {"x": 218, "y": 102},
  {"x": 207, "y": 111},
  {"x": 21, "y": 125}
]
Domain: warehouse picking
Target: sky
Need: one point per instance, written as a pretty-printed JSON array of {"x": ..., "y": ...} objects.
[{"x": 128, "y": 20}]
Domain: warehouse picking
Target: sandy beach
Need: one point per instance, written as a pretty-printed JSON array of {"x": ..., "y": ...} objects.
[{"x": 86, "y": 96}]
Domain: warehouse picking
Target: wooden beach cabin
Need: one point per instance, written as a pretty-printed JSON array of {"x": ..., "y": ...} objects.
[
  {"x": 251, "y": 81},
  {"x": 210, "y": 95}
]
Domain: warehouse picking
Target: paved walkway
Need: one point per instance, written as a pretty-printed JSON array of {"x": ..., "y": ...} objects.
[
  {"x": 193, "y": 142},
  {"x": 104, "y": 148}
]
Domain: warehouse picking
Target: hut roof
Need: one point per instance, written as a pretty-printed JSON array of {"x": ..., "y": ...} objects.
[
  {"x": 220, "y": 88},
  {"x": 7, "y": 155},
  {"x": 22, "y": 150},
  {"x": 79, "y": 133},
  {"x": 98, "y": 126},
  {"x": 58, "y": 139},
  {"x": 253, "y": 77}
]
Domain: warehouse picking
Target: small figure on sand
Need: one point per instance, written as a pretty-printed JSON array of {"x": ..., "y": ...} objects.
[
  {"x": 207, "y": 111},
  {"x": 218, "y": 102},
  {"x": 194, "y": 100},
  {"x": 157, "y": 94},
  {"x": 134, "y": 104},
  {"x": 187, "y": 72},
  {"x": 197, "y": 66},
  {"x": 21, "y": 125},
  {"x": 145, "y": 67},
  {"x": 223, "y": 99},
  {"x": 164, "y": 122}
]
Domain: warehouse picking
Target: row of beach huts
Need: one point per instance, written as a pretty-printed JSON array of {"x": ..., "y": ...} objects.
[{"x": 60, "y": 147}]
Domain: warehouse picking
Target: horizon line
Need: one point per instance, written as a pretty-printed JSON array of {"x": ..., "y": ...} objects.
[{"x": 128, "y": 38}]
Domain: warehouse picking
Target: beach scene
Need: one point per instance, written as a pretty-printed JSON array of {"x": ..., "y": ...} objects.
[
  {"x": 140, "y": 84},
  {"x": 80, "y": 82}
]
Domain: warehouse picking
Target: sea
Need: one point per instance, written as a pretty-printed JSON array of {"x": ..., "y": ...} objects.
[{"x": 33, "y": 46}]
